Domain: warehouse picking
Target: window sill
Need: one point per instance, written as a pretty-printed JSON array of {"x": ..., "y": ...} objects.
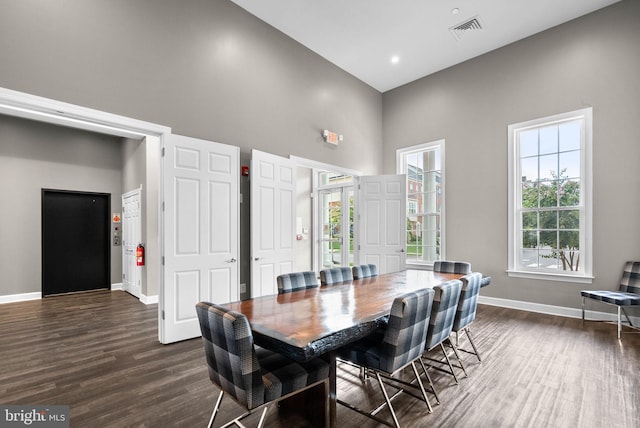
[{"x": 551, "y": 276}]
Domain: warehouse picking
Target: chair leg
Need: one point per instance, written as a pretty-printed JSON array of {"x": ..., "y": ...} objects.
[
  {"x": 627, "y": 316},
  {"x": 433, "y": 388},
  {"x": 424, "y": 393},
  {"x": 386, "y": 397},
  {"x": 583, "y": 299},
  {"x": 215, "y": 409},
  {"x": 473, "y": 345},
  {"x": 619, "y": 323},
  {"x": 455, "y": 351},
  {"x": 444, "y": 351}
]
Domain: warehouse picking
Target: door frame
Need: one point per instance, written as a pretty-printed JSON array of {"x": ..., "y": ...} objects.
[{"x": 20, "y": 104}]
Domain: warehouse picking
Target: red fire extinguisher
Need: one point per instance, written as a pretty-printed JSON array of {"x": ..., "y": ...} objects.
[{"x": 140, "y": 255}]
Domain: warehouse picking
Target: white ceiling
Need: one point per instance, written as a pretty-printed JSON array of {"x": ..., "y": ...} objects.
[{"x": 361, "y": 36}]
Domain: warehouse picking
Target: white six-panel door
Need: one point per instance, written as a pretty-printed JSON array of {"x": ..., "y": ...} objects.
[
  {"x": 201, "y": 231},
  {"x": 382, "y": 210},
  {"x": 131, "y": 237},
  {"x": 272, "y": 220}
]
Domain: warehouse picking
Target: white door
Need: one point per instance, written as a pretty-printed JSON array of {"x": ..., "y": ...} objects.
[
  {"x": 272, "y": 220},
  {"x": 131, "y": 237},
  {"x": 381, "y": 229},
  {"x": 201, "y": 233}
]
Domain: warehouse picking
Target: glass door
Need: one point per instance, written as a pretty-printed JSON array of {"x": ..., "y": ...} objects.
[{"x": 336, "y": 225}]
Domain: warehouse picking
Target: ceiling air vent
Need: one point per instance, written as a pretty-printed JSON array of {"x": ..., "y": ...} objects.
[{"x": 465, "y": 27}]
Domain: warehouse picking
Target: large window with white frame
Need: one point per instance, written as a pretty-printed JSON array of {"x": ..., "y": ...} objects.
[
  {"x": 424, "y": 168},
  {"x": 550, "y": 197}
]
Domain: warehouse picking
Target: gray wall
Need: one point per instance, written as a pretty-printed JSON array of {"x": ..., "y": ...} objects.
[
  {"x": 593, "y": 61},
  {"x": 34, "y": 156},
  {"x": 205, "y": 68}
]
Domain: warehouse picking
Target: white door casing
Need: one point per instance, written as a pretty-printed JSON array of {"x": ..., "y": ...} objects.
[
  {"x": 131, "y": 237},
  {"x": 201, "y": 231},
  {"x": 382, "y": 215},
  {"x": 272, "y": 220}
]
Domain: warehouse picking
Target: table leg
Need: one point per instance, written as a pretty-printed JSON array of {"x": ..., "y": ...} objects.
[{"x": 332, "y": 389}]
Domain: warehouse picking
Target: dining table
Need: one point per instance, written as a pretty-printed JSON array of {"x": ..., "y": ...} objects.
[{"x": 315, "y": 322}]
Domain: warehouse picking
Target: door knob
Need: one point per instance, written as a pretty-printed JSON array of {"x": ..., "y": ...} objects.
[
  {"x": 257, "y": 258},
  {"x": 232, "y": 260}
]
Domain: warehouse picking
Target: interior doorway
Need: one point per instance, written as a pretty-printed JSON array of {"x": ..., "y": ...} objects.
[
  {"x": 131, "y": 237},
  {"x": 75, "y": 241}
]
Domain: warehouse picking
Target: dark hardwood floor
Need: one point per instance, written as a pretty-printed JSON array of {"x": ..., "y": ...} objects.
[{"x": 99, "y": 353}]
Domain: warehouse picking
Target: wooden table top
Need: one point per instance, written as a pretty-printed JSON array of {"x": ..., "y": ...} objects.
[{"x": 308, "y": 323}]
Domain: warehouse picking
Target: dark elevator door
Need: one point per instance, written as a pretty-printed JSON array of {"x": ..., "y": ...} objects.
[{"x": 75, "y": 241}]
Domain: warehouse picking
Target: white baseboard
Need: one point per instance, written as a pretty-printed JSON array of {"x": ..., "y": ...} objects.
[
  {"x": 149, "y": 300},
  {"x": 22, "y": 297},
  {"x": 553, "y": 310},
  {"x": 117, "y": 286}
]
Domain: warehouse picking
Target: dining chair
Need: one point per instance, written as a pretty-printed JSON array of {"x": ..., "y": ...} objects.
[
  {"x": 447, "y": 266},
  {"x": 467, "y": 306},
  {"x": 253, "y": 376},
  {"x": 393, "y": 347},
  {"x": 335, "y": 275},
  {"x": 364, "y": 271},
  {"x": 288, "y": 282},
  {"x": 443, "y": 313},
  {"x": 628, "y": 294}
]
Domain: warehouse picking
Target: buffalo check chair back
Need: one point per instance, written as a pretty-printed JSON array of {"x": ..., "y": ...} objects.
[
  {"x": 467, "y": 306},
  {"x": 394, "y": 347},
  {"x": 447, "y": 266},
  {"x": 365, "y": 271},
  {"x": 443, "y": 314},
  {"x": 336, "y": 275},
  {"x": 253, "y": 376},
  {"x": 295, "y": 281}
]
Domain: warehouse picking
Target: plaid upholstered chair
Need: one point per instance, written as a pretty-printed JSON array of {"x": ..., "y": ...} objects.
[
  {"x": 335, "y": 275},
  {"x": 446, "y": 266},
  {"x": 251, "y": 375},
  {"x": 289, "y": 282},
  {"x": 364, "y": 271},
  {"x": 393, "y": 347},
  {"x": 628, "y": 293},
  {"x": 443, "y": 313},
  {"x": 467, "y": 306}
]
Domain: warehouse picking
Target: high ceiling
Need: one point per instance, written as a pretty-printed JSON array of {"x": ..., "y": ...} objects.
[{"x": 362, "y": 36}]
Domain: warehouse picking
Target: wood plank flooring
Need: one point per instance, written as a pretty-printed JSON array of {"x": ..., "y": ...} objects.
[{"x": 99, "y": 353}]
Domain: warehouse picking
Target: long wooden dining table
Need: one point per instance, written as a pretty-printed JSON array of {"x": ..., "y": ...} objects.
[{"x": 310, "y": 323}]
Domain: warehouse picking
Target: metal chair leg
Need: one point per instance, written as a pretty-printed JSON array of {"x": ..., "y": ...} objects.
[
  {"x": 215, "y": 409},
  {"x": 619, "y": 323},
  {"x": 386, "y": 397},
  {"x": 473, "y": 345},
  {"x": 433, "y": 387},
  {"x": 583, "y": 299},
  {"x": 424, "y": 393},
  {"x": 455, "y": 351},
  {"x": 444, "y": 351}
]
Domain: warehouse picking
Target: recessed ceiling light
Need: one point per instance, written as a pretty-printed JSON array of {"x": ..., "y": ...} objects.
[
  {"x": 455, "y": 11},
  {"x": 395, "y": 59}
]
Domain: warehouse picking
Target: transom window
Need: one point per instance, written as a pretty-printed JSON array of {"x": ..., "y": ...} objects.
[
  {"x": 424, "y": 168},
  {"x": 550, "y": 196}
]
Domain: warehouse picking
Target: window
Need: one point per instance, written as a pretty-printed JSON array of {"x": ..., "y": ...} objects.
[
  {"x": 424, "y": 168},
  {"x": 550, "y": 197}
]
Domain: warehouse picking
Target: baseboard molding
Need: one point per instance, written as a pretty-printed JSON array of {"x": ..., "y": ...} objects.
[
  {"x": 22, "y": 297},
  {"x": 553, "y": 310},
  {"x": 117, "y": 286},
  {"x": 149, "y": 300}
]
